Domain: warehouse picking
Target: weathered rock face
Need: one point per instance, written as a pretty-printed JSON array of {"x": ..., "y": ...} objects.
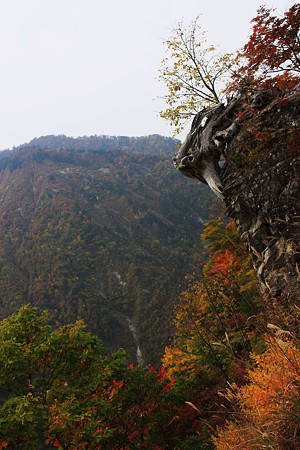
[
  {"x": 262, "y": 192},
  {"x": 257, "y": 140}
]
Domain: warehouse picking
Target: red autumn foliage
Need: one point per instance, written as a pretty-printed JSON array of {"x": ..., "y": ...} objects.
[
  {"x": 224, "y": 265},
  {"x": 272, "y": 52},
  {"x": 274, "y": 44}
]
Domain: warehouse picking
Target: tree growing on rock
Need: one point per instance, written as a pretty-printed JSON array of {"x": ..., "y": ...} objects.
[
  {"x": 230, "y": 147},
  {"x": 272, "y": 52},
  {"x": 194, "y": 73}
]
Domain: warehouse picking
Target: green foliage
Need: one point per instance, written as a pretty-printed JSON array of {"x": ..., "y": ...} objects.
[
  {"x": 219, "y": 236},
  {"x": 216, "y": 319},
  {"x": 59, "y": 388},
  {"x": 21, "y": 421},
  {"x": 64, "y": 245},
  {"x": 40, "y": 365},
  {"x": 194, "y": 74},
  {"x": 102, "y": 238},
  {"x": 130, "y": 413}
]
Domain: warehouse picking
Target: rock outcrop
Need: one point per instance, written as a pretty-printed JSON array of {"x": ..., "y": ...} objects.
[{"x": 251, "y": 145}]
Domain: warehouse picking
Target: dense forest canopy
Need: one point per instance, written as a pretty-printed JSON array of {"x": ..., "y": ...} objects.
[
  {"x": 94, "y": 229},
  {"x": 230, "y": 378}
]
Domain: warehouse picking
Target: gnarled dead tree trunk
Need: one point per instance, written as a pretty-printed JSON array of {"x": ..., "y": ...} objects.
[{"x": 248, "y": 152}]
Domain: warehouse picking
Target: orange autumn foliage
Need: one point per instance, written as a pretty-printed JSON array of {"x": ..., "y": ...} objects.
[
  {"x": 274, "y": 382},
  {"x": 180, "y": 361},
  {"x": 3, "y": 444},
  {"x": 269, "y": 413},
  {"x": 211, "y": 314},
  {"x": 225, "y": 265}
]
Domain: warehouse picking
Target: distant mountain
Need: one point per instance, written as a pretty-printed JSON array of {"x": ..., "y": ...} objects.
[
  {"x": 153, "y": 144},
  {"x": 101, "y": 229}
]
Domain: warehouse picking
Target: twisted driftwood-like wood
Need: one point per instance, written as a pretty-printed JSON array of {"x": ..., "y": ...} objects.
[
  {"x": 200, "y": 154},
  {"x": 248, "y": 152}
]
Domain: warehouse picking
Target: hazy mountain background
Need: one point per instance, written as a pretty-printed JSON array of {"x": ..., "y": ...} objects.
[{"x": 101, "y": 229}]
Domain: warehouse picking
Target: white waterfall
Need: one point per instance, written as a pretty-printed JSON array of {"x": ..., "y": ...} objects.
[{"x": 132, "y": 328}]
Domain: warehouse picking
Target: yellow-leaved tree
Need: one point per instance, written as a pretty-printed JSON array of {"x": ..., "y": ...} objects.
[{"x": 194, "y": 73}]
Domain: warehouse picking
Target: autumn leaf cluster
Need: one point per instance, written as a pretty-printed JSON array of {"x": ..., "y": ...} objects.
[{"x": 198, "y": 76}]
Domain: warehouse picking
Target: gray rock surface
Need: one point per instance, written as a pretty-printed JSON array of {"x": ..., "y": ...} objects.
[{"x": 255, "y": 151}]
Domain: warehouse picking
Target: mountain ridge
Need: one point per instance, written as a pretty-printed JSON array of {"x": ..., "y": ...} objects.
[
  {"x": 62, "y": 141},
  {"x": 100, "y": 235}
]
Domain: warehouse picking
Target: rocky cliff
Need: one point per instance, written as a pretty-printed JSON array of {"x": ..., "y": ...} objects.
[{"x": 248, "y": 152}]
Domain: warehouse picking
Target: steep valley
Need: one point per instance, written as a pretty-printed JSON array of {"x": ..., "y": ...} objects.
[{"x": 101, "y": 229}]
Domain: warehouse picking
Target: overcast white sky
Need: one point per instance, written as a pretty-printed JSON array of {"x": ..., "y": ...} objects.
[{"x": 85, "y": 67}]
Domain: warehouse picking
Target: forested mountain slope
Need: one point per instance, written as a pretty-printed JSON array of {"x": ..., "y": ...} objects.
[{"x": 102, "y": 229}]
